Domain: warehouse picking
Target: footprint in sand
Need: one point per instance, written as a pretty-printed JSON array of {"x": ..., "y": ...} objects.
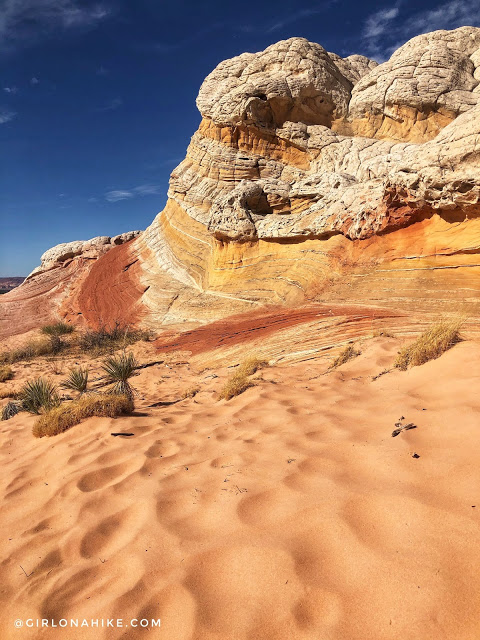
[
  {"x": 163, "y": 449},
  {"x": 101, "y": 478},
  {"x": 112, "y": 533}
]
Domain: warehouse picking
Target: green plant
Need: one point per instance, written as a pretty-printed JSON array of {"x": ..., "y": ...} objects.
[
  {"x": 6, "y": 373},
  {"x": 60, "y": 418},
  {"x": 57, "y": 329},
  {"x": 39, "y": 395},
  {"x": 77, "y": 380},
  {"x": 118, "y": 370},
  {"x": 440, "y": 337},
  {"x": 345, "y": 355},
  {"x": 10, "y": 409}
]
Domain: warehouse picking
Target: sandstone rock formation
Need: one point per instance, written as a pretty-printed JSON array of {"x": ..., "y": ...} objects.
[
  {"x": 313, "y": 176},
  {"x": 88, "y": 249}
]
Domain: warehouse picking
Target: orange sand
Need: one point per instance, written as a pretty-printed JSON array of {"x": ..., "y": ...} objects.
[{"x": 288, "y": 512}]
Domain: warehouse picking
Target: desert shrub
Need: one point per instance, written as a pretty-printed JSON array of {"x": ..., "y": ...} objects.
[
  {"x": 33, "y": 349},
  {"x": 77, "y": 380},
  {"x": 68, "y": 414},
  {"x": 8, "y": 393},
  {"x": 440, "y": 337},
  {"x": 56, "y": 344},
  {"x": 191, "y": 392},
  {"x": 10, "y": 409},
  {"x": 382, "y": 333},
  {"x": 240, "y": 381},
  {"x": 118, "y": 370},
  {"x": 111, "y": 338},
  {"x": 57, "y": 329},
  {"x": 251, "y": 365},
  {"x": 6, "y": 373},
  {"x": 39, "y": 395},
  {"x": 344, "y": 356}
]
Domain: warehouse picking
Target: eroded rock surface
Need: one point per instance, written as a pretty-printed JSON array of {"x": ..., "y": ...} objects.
[
  {"x": 311, "y": 176},
  {"x": 88, "y": 249}
]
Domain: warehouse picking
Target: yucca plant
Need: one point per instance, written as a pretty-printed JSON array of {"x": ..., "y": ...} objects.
[
  {"x": 39, "y": 395},
  {"x": 10, "y": 409},
  {"x": 118, "y": 370},
  {"x": 77, "y": 380}
]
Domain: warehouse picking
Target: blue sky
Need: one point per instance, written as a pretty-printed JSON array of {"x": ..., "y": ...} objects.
[{"x": 97, "y": 99}]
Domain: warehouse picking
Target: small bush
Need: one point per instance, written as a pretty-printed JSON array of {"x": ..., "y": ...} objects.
[
  {"x": 68, "y": 414},
  {"x": 240, "y": 381},
  {"x": 39, "y": 395},
  {"x": 118, "y": 370},
  {"x": 382, "y": 333},
  {"x": 6, "y": 373},
  {"x": 33, "y": 349},
  {"x": 8, "y": 393},
  {"x": 10, "y": 409},
  {"x": 109, "y": 339},
  {"x": 57, "y": 329},
  {"x": 77, "y": 380},
  {"x": 251, "y": 365},
  {"x": 430, "y": 344},
  {"x": 190, "y": 393},
  {"x": 344, "y": 356}
]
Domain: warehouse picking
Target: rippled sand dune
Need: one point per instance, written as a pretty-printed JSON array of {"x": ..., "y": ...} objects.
[{"x": 286, "y": 512}]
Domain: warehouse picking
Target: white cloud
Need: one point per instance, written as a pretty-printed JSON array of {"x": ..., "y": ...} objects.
[
  {"x": 387, "y": 29},
  {"x": 25, "y": 21},
  {"x": 12, "y": 90},
  {"x": 6, "y": 115},
  {"x": 117, "y": 195},
  {"x": 147, "y": 189},
  {"x": 34, "y": 81},
  {"x": 377, "y": 23},
  {"x": 111, "y": 106},
  {"x": 450, "y": 15},
  {"x": 141, "y": 190}
]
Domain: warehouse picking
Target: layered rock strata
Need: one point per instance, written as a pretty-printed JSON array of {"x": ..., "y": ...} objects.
[{"x": 315, "y": 176}]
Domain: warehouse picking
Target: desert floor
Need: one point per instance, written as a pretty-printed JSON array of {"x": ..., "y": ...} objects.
[{"x": 288, "y": 512}]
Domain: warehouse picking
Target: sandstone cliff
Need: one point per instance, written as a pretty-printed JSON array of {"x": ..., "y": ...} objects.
[{"x": 310, "y": 177}]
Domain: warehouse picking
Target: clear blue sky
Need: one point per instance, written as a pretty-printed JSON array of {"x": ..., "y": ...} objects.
[{"x": 97, "y": 99}]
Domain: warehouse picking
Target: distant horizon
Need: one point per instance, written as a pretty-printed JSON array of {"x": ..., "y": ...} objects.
[{"x": 97, "y": 101}]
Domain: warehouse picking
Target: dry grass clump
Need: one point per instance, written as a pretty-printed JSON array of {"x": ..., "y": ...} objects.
[
  {"x": 97, "y": 342},
  {"x": 430, "y": 344},
  {"x": 240, "y": 381},
  {"x": 382, "y": 333},
  {"x": 6, "y": 373},
  {"x": 38, "y": 395},
  {"x": 344, "y": 356},
  {"x": 191, "y": 392},
  {"x": 8, "y": 393},
  {"x": 57, "y": 329},
  {"x": 33, "y": 349},
  {"x": 77, "y": 380},
  {"x": 68, "y": 414},
  {"x": 106, "y": 339}
]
